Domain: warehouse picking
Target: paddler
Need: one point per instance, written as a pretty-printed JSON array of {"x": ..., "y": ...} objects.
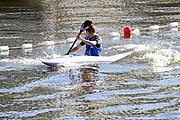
[{"x": 92, "y": 41}]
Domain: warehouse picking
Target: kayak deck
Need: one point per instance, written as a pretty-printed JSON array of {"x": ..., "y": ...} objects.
[{"x": 69, "y": 59}]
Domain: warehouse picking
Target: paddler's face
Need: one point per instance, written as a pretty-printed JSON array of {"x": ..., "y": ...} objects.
[{"x": 89, "y": 34}]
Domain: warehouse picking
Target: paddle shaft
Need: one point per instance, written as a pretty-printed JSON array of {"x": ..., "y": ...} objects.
[
  {"x": 73, "y": 44},
  {"x": 84, "y": 26}
]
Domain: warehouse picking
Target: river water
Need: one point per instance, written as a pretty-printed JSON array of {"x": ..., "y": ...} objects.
[{"x": 143, "y": 85}]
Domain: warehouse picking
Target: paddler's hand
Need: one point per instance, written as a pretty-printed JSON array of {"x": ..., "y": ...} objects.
[{"x": 79, "y": 37}]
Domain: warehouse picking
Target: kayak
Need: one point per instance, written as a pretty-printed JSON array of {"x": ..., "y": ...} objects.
[{"x": 82, "y": 59}]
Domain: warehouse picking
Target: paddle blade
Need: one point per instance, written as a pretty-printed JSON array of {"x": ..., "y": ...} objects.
[{"x": 85, "y": 25}]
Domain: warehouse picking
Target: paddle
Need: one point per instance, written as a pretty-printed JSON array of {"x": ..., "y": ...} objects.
[{"x": 84, "y": 26}]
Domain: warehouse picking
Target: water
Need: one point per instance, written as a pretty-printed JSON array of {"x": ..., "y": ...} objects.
[{"x": 144, "y": 85}]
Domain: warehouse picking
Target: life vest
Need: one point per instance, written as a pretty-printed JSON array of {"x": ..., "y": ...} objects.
[{"x": 94, "y": 50}]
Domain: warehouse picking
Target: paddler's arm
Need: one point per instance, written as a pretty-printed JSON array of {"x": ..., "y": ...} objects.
[
  {"x": 75, "y": 48},
  {"x": 91, "y": 43}
]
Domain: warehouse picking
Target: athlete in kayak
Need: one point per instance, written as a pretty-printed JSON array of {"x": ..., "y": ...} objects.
[{"x": 92, "y": 42}]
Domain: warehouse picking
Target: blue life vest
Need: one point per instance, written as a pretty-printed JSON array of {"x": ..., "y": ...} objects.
[{"x": 94, "y": 50}]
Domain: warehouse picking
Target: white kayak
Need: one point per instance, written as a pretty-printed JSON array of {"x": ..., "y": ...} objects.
[{"x": 75, "y": 59}]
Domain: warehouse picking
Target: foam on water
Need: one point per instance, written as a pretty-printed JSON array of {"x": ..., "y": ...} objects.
[
  {"x": 19, "y": 63},
  {"x": 25, "y": 61},
  {"x": 162, "y": 57},
  {"x": 152, "y": 54}
]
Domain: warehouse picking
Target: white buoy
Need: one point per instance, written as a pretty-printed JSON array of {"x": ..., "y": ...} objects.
[
  {"x": 4, "y": 48},
  {"x": 4, "y": 53},
  {"x": 174, "y": 29},
  {"x": 49, "y": 43},
  {"x": 155, "y": 31},
  {"x": 155, "y": 27},
  {"x": 27, "y": 51},
  {"x": 174, "y": 24},
  {"x": 114, "y": 34},
  {"x": 136, "y": 31},
  {"x": 27, "y": 46},
  {"x": 115, "y": 38}
]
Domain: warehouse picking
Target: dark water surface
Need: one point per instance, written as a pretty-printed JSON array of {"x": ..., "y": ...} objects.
[{"x": 143, "y": 85}]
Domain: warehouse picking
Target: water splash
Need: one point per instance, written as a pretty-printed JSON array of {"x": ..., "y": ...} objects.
[
  {"x": 162, "y": 57},
  {"x": 152, "y": 53},
  {"x": 137, "y": 48},
  {"x": 19, "y": 63}
]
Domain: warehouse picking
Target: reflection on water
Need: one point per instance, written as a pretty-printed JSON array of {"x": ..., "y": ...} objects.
[{"x": 144, "y": 85}]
